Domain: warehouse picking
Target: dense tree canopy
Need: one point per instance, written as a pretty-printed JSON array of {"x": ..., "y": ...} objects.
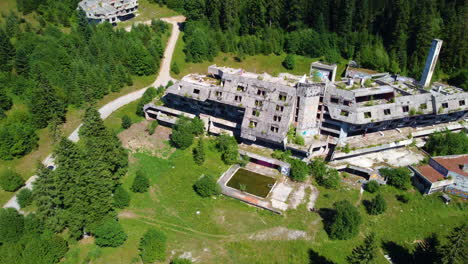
[
  {"x": 345, "y": 221},
  {"x": 11, "y": 225},
  {"x": 383, "y": 35},
  {"x": 447, "y": 143},
  {"x": 110, "y": 234}
]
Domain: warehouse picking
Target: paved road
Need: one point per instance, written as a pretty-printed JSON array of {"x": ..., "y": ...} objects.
[{"x": 163, "y": 78}]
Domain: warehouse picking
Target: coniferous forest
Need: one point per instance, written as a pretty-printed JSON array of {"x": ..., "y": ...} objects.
[
  {"x": 384, "y": 35},
  {"x": 49, "y": 70}
]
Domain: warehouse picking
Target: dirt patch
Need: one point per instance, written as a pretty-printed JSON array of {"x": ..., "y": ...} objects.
[
  {"x": 313, "y": 197},
  {"x": 137, "y": 139},
  {"x": 279, "y": 233},
  {"x": 89, "y": 240},
  {"x": 127, "y": 214}
]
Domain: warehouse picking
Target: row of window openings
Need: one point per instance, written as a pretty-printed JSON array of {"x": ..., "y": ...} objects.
[
  {"x": 336, "y": 101},
  {"x": 254, "y": 124}
]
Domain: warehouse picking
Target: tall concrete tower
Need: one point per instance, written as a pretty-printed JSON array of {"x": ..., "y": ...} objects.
[{"x": 431, "y": 62}]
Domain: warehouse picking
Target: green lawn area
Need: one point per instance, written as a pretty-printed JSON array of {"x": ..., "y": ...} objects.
[
  {"x": 271, "y": 64},
  {"x": 220, "y": 232},
  {"x": 148, "y": 11}
]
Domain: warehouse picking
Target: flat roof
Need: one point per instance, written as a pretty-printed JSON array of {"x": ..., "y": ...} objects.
[
  {"x": 430, "y": 173},
  {"x": 452, "y": 163}
]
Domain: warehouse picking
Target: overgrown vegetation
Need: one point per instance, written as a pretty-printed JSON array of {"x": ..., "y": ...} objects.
[
  {"x": 325, "y": 176},
  {"x": 345, "y": 222},
  {"x": 447, "y": 143},
  {"x": 207, "y": 186},
  {"x": 10, "y": 181},
  {"x": 399, "y": 177},
  {"x": 153, "y": 246},
  {"x": 185, "y": 130}
]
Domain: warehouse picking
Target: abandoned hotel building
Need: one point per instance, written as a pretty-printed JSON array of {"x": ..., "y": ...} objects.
[
  {"x": 261, "y": 109},
  {"x": 112, "y": 11}
]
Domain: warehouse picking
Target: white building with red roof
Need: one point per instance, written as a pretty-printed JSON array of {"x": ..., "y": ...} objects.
[{"x": 444, "y": 173}]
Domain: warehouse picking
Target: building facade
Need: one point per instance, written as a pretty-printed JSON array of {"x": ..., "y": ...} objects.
[{"x": 112, "y": 11}]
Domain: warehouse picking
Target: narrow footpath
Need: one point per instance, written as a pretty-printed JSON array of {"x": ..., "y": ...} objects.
[{"x": 163, "y": 78}]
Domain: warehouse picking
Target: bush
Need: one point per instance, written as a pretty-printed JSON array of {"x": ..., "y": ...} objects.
[
  {"x": 399, "y": 177},
  {"x": 10, "y": 181},
  {"x": 199, "y": 153},
  {"x": 147, "y": 97},
  {"x": 110, "y": 234},
  {"x": 11, "y": 225},
  {"x": 24, "y": 197},
  {"x": 126, "y": 122},
  {"x": 229, "y": 149},
  {"x": 152, "y": 127},
  {"x": 175, "y": 68},
  {"x": 182, "y": 138},
  {"x": 299, "y": 140},
  {"x": 207, "y": 186},
  {"x": 140, "y": 183},
  {"x": 181, "y": 261},
  {"x": 121, "y": 197},
  {"x": 345, "y": 222},
  {"x": 289, "y": 62},
  {"x": 299, "y": 170},
  {"x": 325, "y": 176},
  {"x": 372, "y": 186},
  {"x": 377, "y": 206},
  {"x": 153, "y": 246},
  {"x": 184, "y": 131}
]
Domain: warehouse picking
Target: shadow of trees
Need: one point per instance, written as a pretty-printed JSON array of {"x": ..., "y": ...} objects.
[
  {"x": 316, "y": 258},
  {"x": 398, "y": 253}
]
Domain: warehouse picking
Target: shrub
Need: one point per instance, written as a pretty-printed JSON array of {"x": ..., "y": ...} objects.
[
  {"x": 372, "y": 186},
  {"x": 10, "y": 181},
  {"x": 24, "y": 197},
  {"x": 175, "y": 68},
  {"x": 181, "y": 261},
  {"x": 121, "y": 197},
  {"x": 289, "y": 62},
  {"x": 140, "y": 183},
  {"x": 152, "y": 127},
  {"x": 110, "y": 234},
  {"x": 326, "y": 177},
  {"x": 299, "y": 140},
  {"x": 11, "y": 225},
  {"x": 182, "y": 138},
  {"x": 399, "y": 177},
  {"x": 299, "y": 170},
  {"x": 345, "y": 222},
  {"x": 377, "y": 206},
  {"x": 207, "y": 186},
  {"x": 184, "y": 131},
  {"x": 126, "y": 122},
  {"x": 199, "y": 153},
  {"x": 153, "y": 246},
  {"x": 229, "y": 149}
]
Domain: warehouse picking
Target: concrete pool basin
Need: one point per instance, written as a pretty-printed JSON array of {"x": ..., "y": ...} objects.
[{"x": 251, "y": 182}]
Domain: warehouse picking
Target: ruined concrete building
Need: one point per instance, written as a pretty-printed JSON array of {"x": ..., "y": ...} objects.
[
  {"x": 261, "y": 109},
  {"x": 112, "y": 11}
]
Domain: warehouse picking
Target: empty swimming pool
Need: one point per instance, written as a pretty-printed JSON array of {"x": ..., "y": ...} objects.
[{"x": 251, "y": 182}]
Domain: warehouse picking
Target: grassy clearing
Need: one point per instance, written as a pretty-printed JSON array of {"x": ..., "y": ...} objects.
[
  {"x": 220, "y": 232},
  {"x": 271, "y": 64},
  {"x": 148, "y": 11},
  {"x": 114, "y": 121}
]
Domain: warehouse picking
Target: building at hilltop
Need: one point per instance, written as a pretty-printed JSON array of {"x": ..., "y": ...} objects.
[
  {"x": 112, "y": 11},
  {"x": 262, "y": 109}
]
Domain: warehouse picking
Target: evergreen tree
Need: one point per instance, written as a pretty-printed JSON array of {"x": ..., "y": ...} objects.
[
  {"x": 24, "y": 197},
  {"x": 153, "y": 246},
  {"x": 11, "y": 225},
  {"x": 378, "y": 205},
  {"x": 365, "y": 253},
  {"x": 456, "y": 249},
  {"x": 289, "y": 62},
  {"x": 199, "y": 152},
  {"x": 121, "y": 197},
  {"x": 126, "y": 122},
  {"x": 110, "y": 234},
  {"x": 45, "y": 105},
  {"x": 140, "y": 183},
  {"x": 10, "y": 181}
]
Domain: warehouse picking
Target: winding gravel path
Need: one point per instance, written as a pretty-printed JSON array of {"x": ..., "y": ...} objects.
[{"x": 163, "y": 78}]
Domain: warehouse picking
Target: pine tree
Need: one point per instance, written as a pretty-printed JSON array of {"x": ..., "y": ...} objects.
[
  {"x": 456, "y": 250},
  {"x": 45, "y": 104},
  {"x": 140, "y": 183},
  {"x": 121, "y": 197},
  {"x": 11, "y": 225},
  {"x": 7, "y": 52},
  {"x": 126, "y": 122},
  {"x": 199, "y": 152},
  {"x": 365, "y": 253},
  {"x": 378, "y": 205},
  {"x": 428, "y": 251}
]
